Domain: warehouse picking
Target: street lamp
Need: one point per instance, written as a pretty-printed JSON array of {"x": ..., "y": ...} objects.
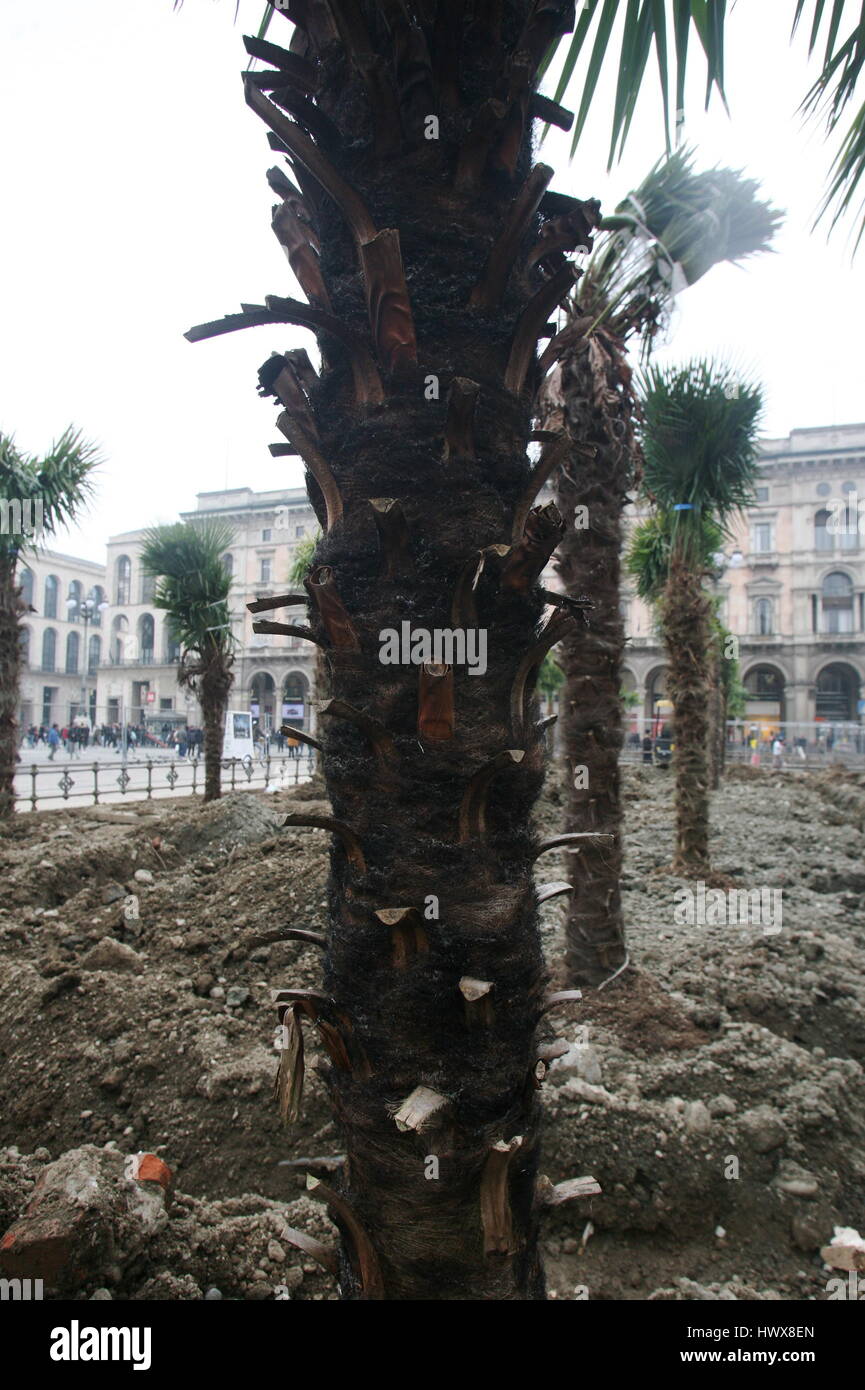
[{"x": 88, "y": 608}]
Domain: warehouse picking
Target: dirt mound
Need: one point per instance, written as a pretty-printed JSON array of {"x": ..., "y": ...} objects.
[
  {"x": 236, "y": 819},
  {"x": 715, "y": 1089}
]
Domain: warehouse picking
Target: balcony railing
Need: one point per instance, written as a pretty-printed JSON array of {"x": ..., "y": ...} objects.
[{"x": 145, "y": 659}]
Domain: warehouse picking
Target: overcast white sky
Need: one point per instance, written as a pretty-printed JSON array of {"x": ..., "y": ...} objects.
[{"x": 136, "y": 206}]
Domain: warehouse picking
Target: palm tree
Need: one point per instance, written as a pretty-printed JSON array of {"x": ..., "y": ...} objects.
[
  {"x": 411, "y": 222},
  {"x": 37, "y": 497},
  {"x": 699, "y": 444},
  {"x": 662, "y": 238},
  {"x": 193, "y": 589}
]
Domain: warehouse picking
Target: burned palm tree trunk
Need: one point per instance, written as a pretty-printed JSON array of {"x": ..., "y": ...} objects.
[
  {"x": 419, "y": 204},
  {"x": 686, "y": 618},
  {"x": 588, "y": 397}
]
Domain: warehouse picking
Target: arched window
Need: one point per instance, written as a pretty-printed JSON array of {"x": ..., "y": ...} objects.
[
  {"x": 837, "y": 603},
  {"x": 94, "y": 654},
  {"x": 763, "y": 616},
  {"x": 25, "y": 580},
  {"x": 24, "y": 645},
  {"x": 837, "y": 692},
  {"x": 122, "y": 579},
  {"x": 148, "y": 588},
  {"x": 228, "y": 563},
  {"x": 98, "y": 595},
  {"x": 73, "y": 648},
  {"x": 172, "y": 645},
  {"x": 52, "y": 587},
  {"x": 119, "y": 638},
  {"x": 145, "y": 638},
  {"x": 49, "y": 649},
  {"x": 824, "y": 538},
  {"x": 73, "y": 602},
  {"x": 848, "y": 530}
]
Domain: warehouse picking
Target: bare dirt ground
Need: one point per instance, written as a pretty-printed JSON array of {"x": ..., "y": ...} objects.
[{"x": 715, "y": 1089}]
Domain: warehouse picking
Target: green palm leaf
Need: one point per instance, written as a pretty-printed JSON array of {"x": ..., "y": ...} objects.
[
  {"x": 62, "y": 482},
  {"x": 667, "y": 234},
  {"x": 699, "y": 441},
  {"x": 193, "y": 586},
  {"x": 645, "y": 25}
]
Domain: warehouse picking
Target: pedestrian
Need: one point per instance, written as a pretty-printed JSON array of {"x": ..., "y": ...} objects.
[
  {"x": 647, "y": 749},
  {"x": 53, "y": 741},
  {"x": 778, "y": 753}
]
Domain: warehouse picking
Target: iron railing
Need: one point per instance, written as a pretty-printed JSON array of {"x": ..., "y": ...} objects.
[{"x": 145, "y": 779}]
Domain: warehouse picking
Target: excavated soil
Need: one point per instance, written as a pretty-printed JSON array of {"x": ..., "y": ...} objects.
[{"x": 714, "y": 1089}]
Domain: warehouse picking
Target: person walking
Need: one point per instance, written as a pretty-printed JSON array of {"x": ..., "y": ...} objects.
[
  {"x": 53, "y": 741},
  {"x": 778, "y": 753}
]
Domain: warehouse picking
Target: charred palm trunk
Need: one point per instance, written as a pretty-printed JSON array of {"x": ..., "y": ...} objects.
[
  {"x": 597, "y": 411},
  {"x": 414, "y": 232},
  {"x": 11, "y": 609},
  {"x": 686, "y": 619}
]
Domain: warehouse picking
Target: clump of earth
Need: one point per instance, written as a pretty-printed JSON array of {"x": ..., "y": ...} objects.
[{"x": 714, "y": 1089}]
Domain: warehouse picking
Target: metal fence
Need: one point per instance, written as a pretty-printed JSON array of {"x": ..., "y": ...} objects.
[
  {"x": 807, "y": 746},
  {"x": 39, "y": 787}
]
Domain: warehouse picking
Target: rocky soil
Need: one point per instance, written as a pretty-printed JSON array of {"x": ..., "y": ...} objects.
[{"x": 714, "y": 1089}]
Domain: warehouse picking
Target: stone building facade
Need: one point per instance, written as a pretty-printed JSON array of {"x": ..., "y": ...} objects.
[
  {"x": 63, "y": 637},
  {"x": 273, "y": 675},
  {"x": 793, "y": 590}
]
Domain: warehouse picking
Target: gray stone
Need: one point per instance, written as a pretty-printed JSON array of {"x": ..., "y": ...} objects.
[
  {"x": 143, "y": 876},
  {"x": 722, "y": 1105},
  {"x": 698, "y": 1120},
  {"x": 112, "y": 893},
  {"x": 796, "y": 1181},
  {"x": 764, "y": 1129},
  {"x": 579, "y": 1060},
  {"x": 237, "y": 996},
  {"x": 109, "y": 954},
  {"x": 213, "y": 1295}
]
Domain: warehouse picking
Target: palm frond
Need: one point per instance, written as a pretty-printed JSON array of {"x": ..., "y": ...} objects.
[
  {"x": 61, "y": 483},
  {"x": 193, "y": 584},
  {"x": 699, "y": 440},
  {"x": 667, "y": 233},
  {"x": 302, "y": 559},
  {"x": 646, "y": 25},
  {"x": 651, "y": 546},
  {"x": 831, "y": 94}
]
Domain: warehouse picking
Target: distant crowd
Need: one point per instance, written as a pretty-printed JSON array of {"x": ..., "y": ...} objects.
[
  {"x": 183, "y": 742},
  {"x": 76, "y": 737}
]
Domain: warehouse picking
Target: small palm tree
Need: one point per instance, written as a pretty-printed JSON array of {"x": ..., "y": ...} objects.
[
  {"x": 700, "y": 449},
  {"x": 193, "y": 589},
  {"x": 662, "y": 238},
  {"x": 37, "y": 496}
]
